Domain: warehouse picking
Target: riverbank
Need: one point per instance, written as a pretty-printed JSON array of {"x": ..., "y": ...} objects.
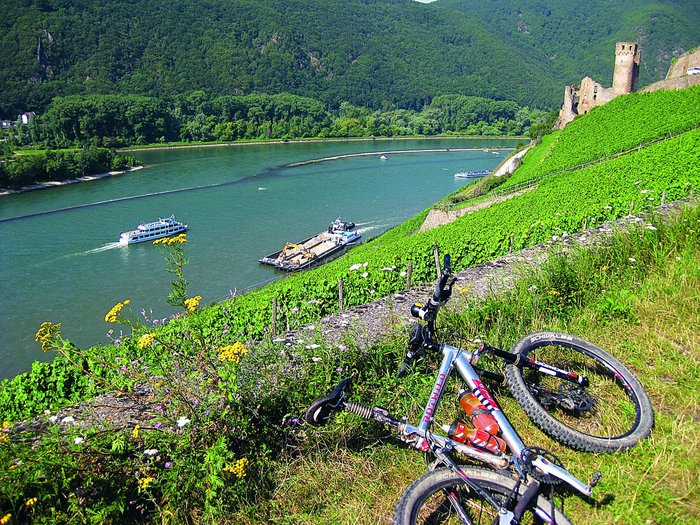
[
  {"x": 89, "y": 178},
  {"x": 156, "y": 147},
  {"x": 57, "y": 183}
]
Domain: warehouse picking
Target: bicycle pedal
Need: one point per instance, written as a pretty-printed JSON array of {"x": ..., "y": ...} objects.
[{"x": 597, "y": 476}]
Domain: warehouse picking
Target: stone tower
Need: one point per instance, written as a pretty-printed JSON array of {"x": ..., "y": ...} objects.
[{"x": 627, "y": 58}]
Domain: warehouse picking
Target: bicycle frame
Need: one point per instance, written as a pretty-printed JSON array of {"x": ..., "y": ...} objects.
[{"x": 461, "y": 359}]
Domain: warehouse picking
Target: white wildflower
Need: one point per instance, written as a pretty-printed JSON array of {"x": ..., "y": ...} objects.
[
  {"x": 151, "y": 451},
  {"x": 644, "y": 191},
  {"x": 632, "y": 259},
  {"x": 182, "y": 421},
  {"x": 365, "y": 275},
  {"x": 355, "y": 267},
  {"x": 403, "y": 273},
  {"x": 316, "y": 359},
  {"x": 78, "y": 440}
]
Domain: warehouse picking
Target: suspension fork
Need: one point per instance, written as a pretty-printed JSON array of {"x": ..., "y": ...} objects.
[{"x": 528, "y": 362}]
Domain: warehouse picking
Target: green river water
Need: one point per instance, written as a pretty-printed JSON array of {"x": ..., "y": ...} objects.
[{"x": 61, "y": 261}]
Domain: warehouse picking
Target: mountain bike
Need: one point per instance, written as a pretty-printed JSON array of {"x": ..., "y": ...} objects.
[{"x": 574, "y": 391}]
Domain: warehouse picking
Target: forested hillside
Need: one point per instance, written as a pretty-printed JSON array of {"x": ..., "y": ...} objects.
[
  {"x": 379, "y": 54},
  {"x": 578, "y": 38}
]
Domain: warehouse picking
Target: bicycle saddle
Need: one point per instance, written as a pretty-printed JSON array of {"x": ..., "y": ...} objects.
[{"x": 321, "y": 409}]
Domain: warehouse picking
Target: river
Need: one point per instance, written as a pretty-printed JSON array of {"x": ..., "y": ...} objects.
[{"x": 61, "y": 262}]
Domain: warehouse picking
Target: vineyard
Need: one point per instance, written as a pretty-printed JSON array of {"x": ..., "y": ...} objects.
[
  {"x": 566, "y": 202},
  {"x": 562, "y": 203},
  {"x": 621, "y": 125},
  {"x": 219, "y": 423}
]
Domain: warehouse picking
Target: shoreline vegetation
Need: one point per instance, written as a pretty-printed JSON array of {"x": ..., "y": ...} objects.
[
  {"x": 58, "y": 183},
  {"x": 89, "y": 178}
]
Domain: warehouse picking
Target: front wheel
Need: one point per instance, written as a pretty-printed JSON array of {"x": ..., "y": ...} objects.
[
  {"x": 611, "y": 413},
  {"x": 441, "y": 495}
]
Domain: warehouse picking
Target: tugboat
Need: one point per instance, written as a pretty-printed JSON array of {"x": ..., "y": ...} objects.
[
  {"x": 164, "y": 227},
  {"x": 315, "y": 250}
]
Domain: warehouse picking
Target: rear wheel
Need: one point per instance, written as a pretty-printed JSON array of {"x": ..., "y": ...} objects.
[
  {"x": 611, "y": 413},
  {"x": 433, "y": 499}
]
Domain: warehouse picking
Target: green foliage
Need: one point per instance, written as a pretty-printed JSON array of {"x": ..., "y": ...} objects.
[
  {"x": 27, "y": 169},
  {"x": 625, "y": 123},
  {"x": 381, "y": 55}
]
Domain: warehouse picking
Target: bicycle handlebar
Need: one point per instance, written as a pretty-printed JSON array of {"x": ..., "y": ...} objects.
[{"x": 422, "y": 336}]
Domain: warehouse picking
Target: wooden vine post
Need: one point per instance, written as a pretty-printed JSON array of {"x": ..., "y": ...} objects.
[
  {"x": 273, "y": 329},
  {"x": 409, "y": 273},
  {"x": 340, "y": 295},
  {"x": 436, "y": 256}
]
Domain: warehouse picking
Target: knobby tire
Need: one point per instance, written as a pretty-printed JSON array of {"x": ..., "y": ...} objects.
[
  {"x": 621, "y": 414},
  {"x": 425, "y": 501}
]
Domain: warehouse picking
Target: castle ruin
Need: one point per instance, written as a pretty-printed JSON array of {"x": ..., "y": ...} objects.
[{"x": 579, "y": 100}]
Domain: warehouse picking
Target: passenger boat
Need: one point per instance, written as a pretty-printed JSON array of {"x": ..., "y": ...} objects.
[
  {"x": 149, "y": 231},
  {"x": 471, "y": 174},
  {"x": 315, "y": 250}
]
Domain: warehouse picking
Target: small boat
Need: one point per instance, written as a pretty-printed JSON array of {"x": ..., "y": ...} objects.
[
  {"x": 149, "y": 231},
  {"x": 313, "y": 251},
  {"x": 471, "y": 174},
  {"x": 339, "y": 226},
  {"x": 383, "y": 157}
]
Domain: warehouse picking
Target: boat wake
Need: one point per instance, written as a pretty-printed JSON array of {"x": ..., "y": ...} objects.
[{"x": 106, "y": 247}]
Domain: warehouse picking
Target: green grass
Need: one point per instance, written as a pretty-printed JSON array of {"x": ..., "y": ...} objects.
[{"x": 354, "y": 472}]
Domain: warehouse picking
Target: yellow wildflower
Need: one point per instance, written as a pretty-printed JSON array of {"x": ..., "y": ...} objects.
[
  {"x": 169, "y": 241},
  {"x": 30, "y": 502},
  {"x": 5, "y": 519},
  {"x": 238, "y": 468},
  {"x": 112, "y": 315},
  {"x": 135, "y": 432},
  {"x": 553, "y": 292},
  {"x": 193, "y": 303},
  {"x": 6, "y": 424},
  {"x": 47, "y": 334},
  {"x": 232, "y": 352},
  {"x": 4, "y": 438},
  {"x": 146, "y": 340},
  {"x": 145, "y": 482}
]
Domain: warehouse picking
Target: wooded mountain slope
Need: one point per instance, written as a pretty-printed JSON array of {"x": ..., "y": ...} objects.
[{"x": 374, "y": 53}]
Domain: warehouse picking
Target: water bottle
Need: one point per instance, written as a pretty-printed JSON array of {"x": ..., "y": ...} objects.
[
  {"x": 479, "y": 416},
  {"x": 474, "y": 437}
]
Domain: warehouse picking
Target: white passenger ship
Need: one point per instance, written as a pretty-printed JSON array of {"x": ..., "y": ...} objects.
[{"x": 150, "y": 231}]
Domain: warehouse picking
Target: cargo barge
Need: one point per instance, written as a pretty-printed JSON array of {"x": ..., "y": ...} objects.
[{"x": 315, "y": 250}]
